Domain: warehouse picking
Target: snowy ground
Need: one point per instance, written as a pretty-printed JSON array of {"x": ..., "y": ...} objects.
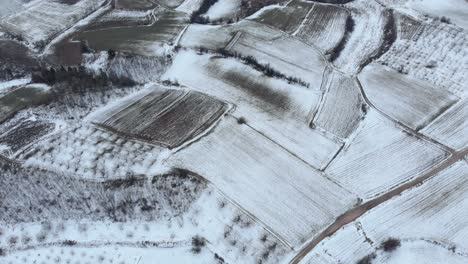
[
  {"x": 428, "y": 220},
  {"x": 366, "y": 164}
]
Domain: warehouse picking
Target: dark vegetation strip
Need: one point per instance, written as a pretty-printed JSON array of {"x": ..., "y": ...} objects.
[
  {"x": 197, "y": 15},
  {"x": 253, "y": 62},
  {"x": 77, "y": 79},
  {"x": 336, "y": 51},
  {"x": 389, "y": 37}
]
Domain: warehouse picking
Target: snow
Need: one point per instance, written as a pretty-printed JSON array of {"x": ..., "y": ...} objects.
[
  {"x": 455, "y": 10},
  {"x": 436, "y": 54},
  {"x": 211, "y": 216},
  {"x": 367, "y": 163},
  {"x": 224, "y": 9},
  {"x": 451, "y": 127},
  {"x": 305, "y": 62},
  {"x": 428, "y": 219},
  {"x": 366, "y": 37},
  {"x": 4, "y": 86},
  {"x": 189, "y": 6},
  {"x": 44, "y": 19},
  {"x": 291, "y": 198},
  {"x": 341, "y": 107},
  {"x": 422, "y": 252},
  {"x": 411, "y": 101},
  {"x": 260, "y": 12},
  {"x": 271, "y": 106},
  {"x": 323, "y": 26},
  {"x": 9, "y": 7}
]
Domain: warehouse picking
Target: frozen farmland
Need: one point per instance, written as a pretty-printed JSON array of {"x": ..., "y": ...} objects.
[{"x": 233, "y": 131}]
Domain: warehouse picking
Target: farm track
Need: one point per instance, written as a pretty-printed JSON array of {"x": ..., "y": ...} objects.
[{"x": 360, "y": 210}]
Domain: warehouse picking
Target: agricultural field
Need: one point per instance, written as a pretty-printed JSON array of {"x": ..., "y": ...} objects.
[
  {"x": 427, "y": 220},
  {"x": 157, "y": 218},
  {"x": 9, "y": 7},
  {"x": 366, "y": 164},
  {"x": 307, "y": 63},
  {"x": 233, "y": 131},
  {"x": 21, "y": 98},
  {"x": 364, "y": 38},
  {"x": 286, "y": 18},
  {"x": 271, "y": 106},
  {"x": 453, "y": 11},
  {"x": 413, "y": 102},
  {"x": 166, "y": 116},
  {"x": 291, "y": 198},
  {"x": 91, "y": 153},
  {"x": 224, "y": 9},
  {"x": 324, "y": 26},
  {"x": 433, "y": 54},
  {"x": 22, "y": 135},
  {"x": 342, "y": 106},
  {"x": 149, "y": 40},
  {"x": 42, "y": 20},
  {"x": 450, "y": 128}
]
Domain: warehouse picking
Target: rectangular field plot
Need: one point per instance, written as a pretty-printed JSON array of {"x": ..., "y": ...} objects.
[
  {"x": 324, "y": 26},
  {"x": 168, "y": 117},
  {"x": 380, "y": 157},
  {"x": 411, "y": 101},
  {"x": 287, "y": 195},
  {"x": 451, "y": 128}
]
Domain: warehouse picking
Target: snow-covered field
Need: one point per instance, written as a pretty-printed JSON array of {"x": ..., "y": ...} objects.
[
  {"x": 289, "y": 197},
  {"x": 428, "y": 219},
  {"x": 366, "y": 37},
  {"x": 436, "y": 54},
  {"x": 271, "y": 106},
  {"x": 91, "y": 153},
  {"x": 451, "y": 127},
  {"x": 277, "y": 131},
  {"x": 342, "y": 107},
  {"x": 42, "y": 20},
  {"x": 176, "y": 209},
  {"x": 286, "y": 18},
  {"x": 380, "y": 157},
  {"x": 411, "y": 101},
  {"x": 455, "y": 11},
  {"x": 9, "y": 7},
  {"x": 306, "y": 62},
  {"x": 324, "y": 26}
]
